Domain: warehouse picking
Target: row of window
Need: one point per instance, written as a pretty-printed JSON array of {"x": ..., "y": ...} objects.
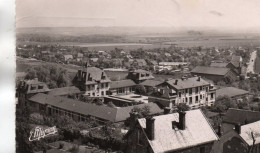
[
  {"x": 91, "y": 87},
  {"x": 197, "y": 98},
  {"x": 33, "y": 87},
  {"x": 197, "y": 89}
]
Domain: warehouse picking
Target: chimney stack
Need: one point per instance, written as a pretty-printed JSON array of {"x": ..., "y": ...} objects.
[
  {"x": 150, "y": 128},
  {"x": 133, "y": 118},
  {"x": 238, "y": 128},
  {"x": 176, "y": 82},
  {"x": 198, "y": 78},
  {"x": 167, "y": 110},
  {"x": 219, "y": 130},
  {"x": 182, "y": 120}
]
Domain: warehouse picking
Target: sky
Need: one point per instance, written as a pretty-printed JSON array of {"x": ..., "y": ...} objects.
[{"x": 240, "y": 14}]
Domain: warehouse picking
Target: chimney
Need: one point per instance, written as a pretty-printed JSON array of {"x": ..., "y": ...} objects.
[
  {"x": 219, "y": 130},
  {"x": 238, "y": 128},
  {"x": 199, "y": 78},
  {"x": 167, "y": 110},
  {"x": 182, "y": 122},
  {"x": 176, "y": 82},
  {"x": 150, "y": 128},
  {"x": 133, "y": 118}
]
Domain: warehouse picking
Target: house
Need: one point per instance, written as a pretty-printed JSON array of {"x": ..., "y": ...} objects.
[
  {"x": 28, "y": 88},
  {"x": 80, "y": 57},
  {"x": 139, "y": 75},
  {"x": 194, "y": 91},
  {"x": 229, "y": 65},
  {"x": 65, "y": 91},
  {"x": 232, "y": 92},
  {"x": 215, "y": 74},
  {"x": 67, "y": 58},
  {"x": 81, "y": 111},
  {"x": 181, "y": 132},
  {"x": 93, "y": 81},
  {"x": 150, "y": 84},
  {"x": 122, "y": 87}
]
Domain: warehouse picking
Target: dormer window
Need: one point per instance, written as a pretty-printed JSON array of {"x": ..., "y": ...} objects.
[
  {"x": 89, "y": 77},
  {"x": 32, "y": 88},
  {"x": 40, "y": 87}
]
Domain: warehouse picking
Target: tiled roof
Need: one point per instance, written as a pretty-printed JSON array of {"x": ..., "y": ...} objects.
[
  {"x": 210, "y": 70},
  {"x": 218, "y": 64},
  {"x": 112, "y": 114},
  {"x": 122, "y": 83},
  {"x": 230, "y": 92},
  {"x": 197, "y": 131},
  {"x": 241, "y": 116},
  {"x": 151, "y": 83},
  {"x": 95, "y": 74},
  {"x": 187, "y": 83},
  {"x": 64, "y": 91},
  {"x": 246, "y": 131}
]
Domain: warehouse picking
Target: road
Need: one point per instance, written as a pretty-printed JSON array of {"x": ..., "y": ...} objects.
[{"x": 250, "y": 67}]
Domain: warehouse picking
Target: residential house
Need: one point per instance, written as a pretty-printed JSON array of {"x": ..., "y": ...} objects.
[
  {"x": 238, "y": 116},
  {"x": 171, "y": 65},
  {"x": 93, "y": 81},
  {"x": 138, "y": 63},
  {"x": 67, "y": 58},
  {"x": 229, "y": 65},
  {"x": 81, "y": 111},
  {"x": 232, "y": 92},
  {"x": 122, "y": 87},
  {"x": 80, "y": 57},
  {"x": 194, "y": 92},
  {"x": 150, "y": 85},
  {"x": 28, "y": 88},
  {"x": 65, "y": 91},
  {"x": 215, "y": 74},
  {"x": 139, "y": 75},
  {"x": 182, "y": 132}
]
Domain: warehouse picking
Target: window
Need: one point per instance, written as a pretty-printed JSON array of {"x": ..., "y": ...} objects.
[
  {"x": 190, "y": 92},
  {"x": 106, "y": 84},
  {"x": 186, "y": 90},
  {"x": 207, "y": 89},
  {"x": 212, "y": 95},
  {"x": 33, "y": 88},
  {"x": 102, "y": 85},
  {"x": 190, "y": 101},
  {"x": 102, "y": 93},
  {"x": 186, "y": 99},
  {"x": 40, "y": 87},
  {"x": 200, "y": 87},
  {"x": 202, "y": 149},
  {"x": 200, "y": 96},
  {"x": 93, "y": 94},
  {"x": 196, "y": 89},
  {"x": 179, "y": 94},
  {"x": 197, "y": 99}
]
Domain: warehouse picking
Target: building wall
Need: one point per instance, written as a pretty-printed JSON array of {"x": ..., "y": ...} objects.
[
  {"x": 97, "y": 90},
  {"x": 215, "y": 78},
  {"x": 123, "y": 90}
]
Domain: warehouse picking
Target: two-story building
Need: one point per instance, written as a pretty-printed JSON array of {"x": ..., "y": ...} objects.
[
  {"x": 194, "y": 91},
  {"x": 139, "y": 75},
  {"x": 93, "y": 81},
  {"x": 183, "y": 132},
  {"x": 27, "y": 88}
]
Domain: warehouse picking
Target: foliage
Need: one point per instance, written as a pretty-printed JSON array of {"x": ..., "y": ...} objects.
[
  {"x": 110, "y": 104},
  {"x": 53, "y": 76},
  {"x": 223, "y": 103},
  {"x": 183, "y": 107},
  {"x": 140, "y": 89},
  {"x": 142, "y": 111}
]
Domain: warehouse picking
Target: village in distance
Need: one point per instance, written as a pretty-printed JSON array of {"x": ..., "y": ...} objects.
[{"x": 119, "y": 90}]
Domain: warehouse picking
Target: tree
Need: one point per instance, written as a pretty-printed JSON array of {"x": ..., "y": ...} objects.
[
  {"x": 140, "y": 89},
  {"x": 223, "y": 103},
  {"x": 183, "y": 107},
  {"x": 111, "y": 104}
]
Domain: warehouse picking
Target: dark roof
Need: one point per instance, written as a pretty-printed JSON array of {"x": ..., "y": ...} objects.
[
  {"x": 122, "y": 83},
  {"x": 151, "y": 83},
  {"x": 218, "y": 64},
  {"x": 64, "y": 91},
  {"x": 166, "y": 139},
  {"x": 113, "y": 114},
  {"x": 188, "y": 83},
  {"x": 210, "y": 70},
  {"x": 25, "y": 85},
  {"x": 241, "y": 116},
  {"x": 230, "y": 92}
]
